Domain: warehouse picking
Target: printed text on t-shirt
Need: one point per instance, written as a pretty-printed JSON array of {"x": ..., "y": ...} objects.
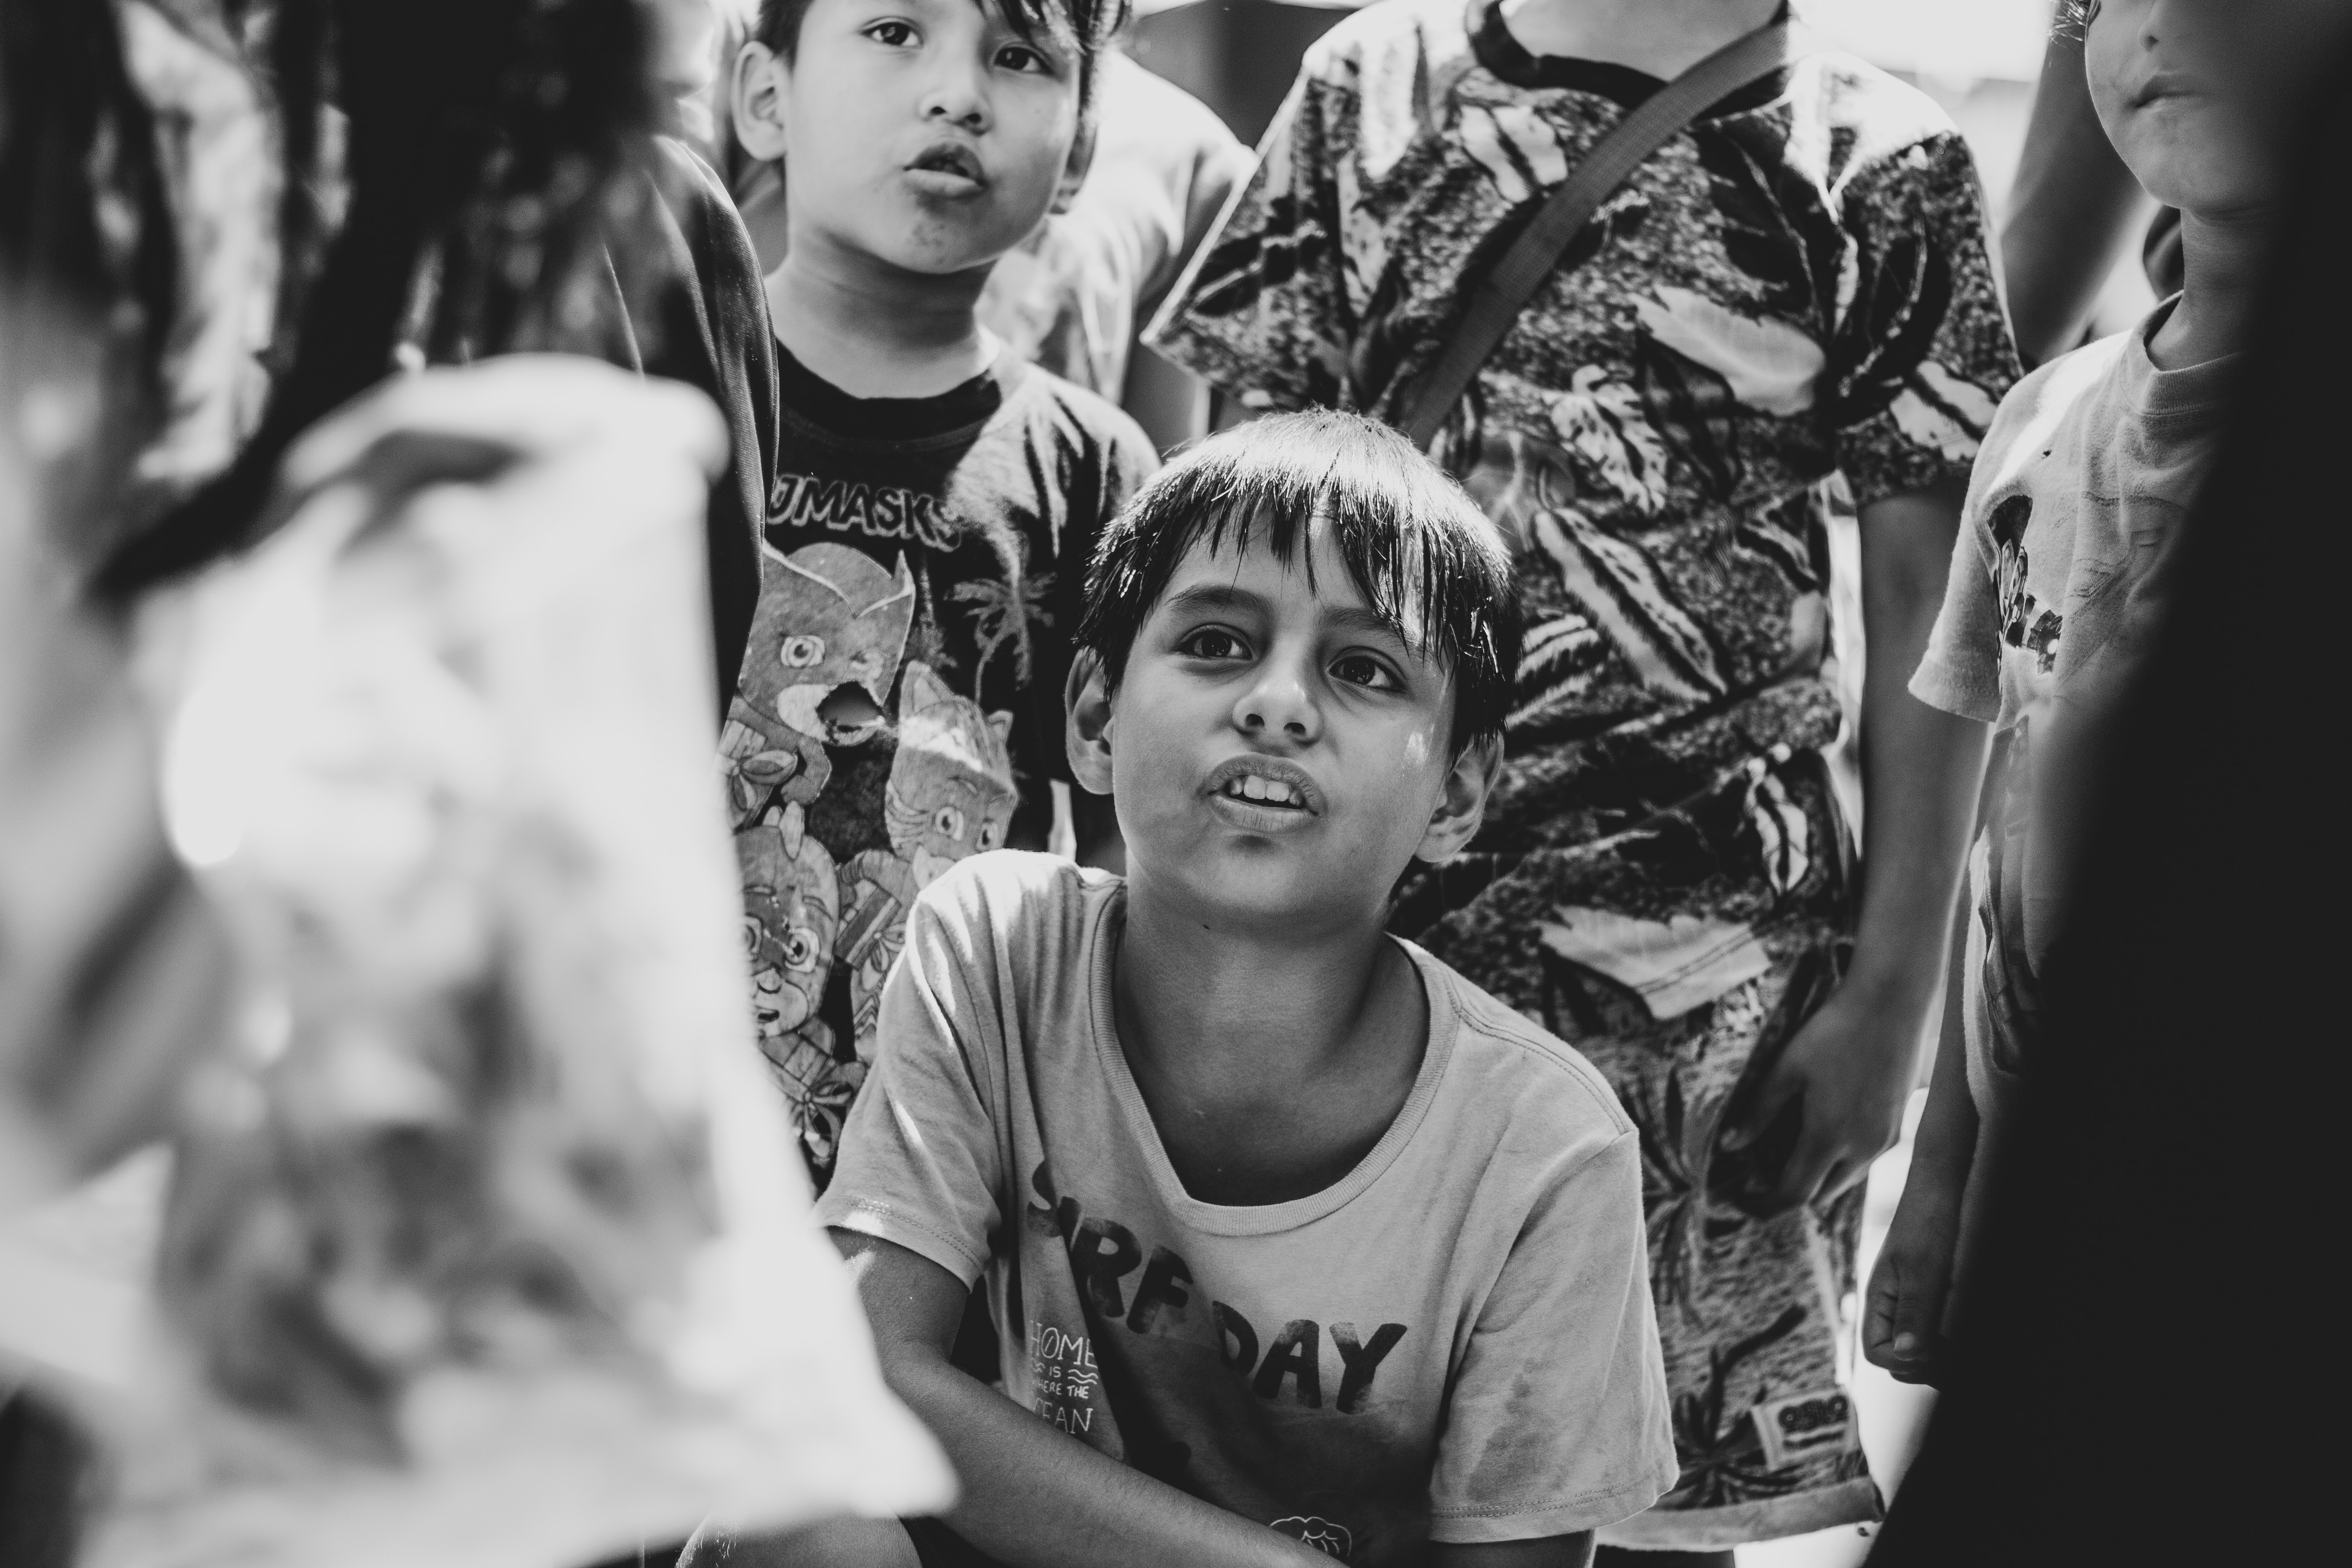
[
  {"x": 845, "y": 506},
  {"x": 1103, "y": 1252}
]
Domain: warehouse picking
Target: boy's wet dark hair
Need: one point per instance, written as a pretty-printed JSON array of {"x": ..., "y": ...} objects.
[
  {"x": 1417, "y": 548},
  {"x": 1092, "y": 23}
]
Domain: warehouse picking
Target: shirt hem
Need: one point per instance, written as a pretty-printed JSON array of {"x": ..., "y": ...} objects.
[{"x": 1853, "y": 1501}]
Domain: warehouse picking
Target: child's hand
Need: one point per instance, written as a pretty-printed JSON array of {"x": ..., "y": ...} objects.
[
  {"x": 1910, "y": 1290},
  {"x": 1845, "y": 1077}
]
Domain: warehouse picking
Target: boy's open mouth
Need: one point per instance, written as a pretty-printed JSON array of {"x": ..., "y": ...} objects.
[
  {"x": 1271, "y": 792},
  {"x": 1266, "y": 783},
  {"x": 951, "y": 158}
]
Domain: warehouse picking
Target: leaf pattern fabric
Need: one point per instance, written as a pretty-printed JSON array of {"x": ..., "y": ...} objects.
[{"x": 1786, "y": 312}]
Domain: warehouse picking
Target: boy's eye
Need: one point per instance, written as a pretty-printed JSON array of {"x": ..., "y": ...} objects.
[
  {"x": 1021, "y": 57},
  {"x": 1362, "y": 670},
  {"x": 897, "y": 35},
  {"x": 1212, "y": 642}
]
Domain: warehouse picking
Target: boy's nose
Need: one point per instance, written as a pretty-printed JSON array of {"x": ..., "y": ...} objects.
[
  {"x": 1279, "y": 701},
  {"x": 959, "y": 95}
]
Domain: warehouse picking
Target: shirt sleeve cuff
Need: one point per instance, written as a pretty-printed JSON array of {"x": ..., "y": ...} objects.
[
  {"x": 867, "y": 1216},
  {"x": 1945, "y": 686}
]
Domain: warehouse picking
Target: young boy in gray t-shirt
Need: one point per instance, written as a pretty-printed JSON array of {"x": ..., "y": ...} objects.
[{"x": 1298, "y": 1244}]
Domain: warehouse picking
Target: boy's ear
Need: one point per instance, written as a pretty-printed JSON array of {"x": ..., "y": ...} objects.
[
  {"x": 1086, "y": 722},
  {"x": 758, "y": 91},
  {"x": 1460, "y": 809},
  {"x": 1082, "y": 153}
]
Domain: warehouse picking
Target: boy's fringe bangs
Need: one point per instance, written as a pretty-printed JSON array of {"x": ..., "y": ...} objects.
[
  {"x": 1445, "y": 591},
  {"x": 1094, "y": 23}
]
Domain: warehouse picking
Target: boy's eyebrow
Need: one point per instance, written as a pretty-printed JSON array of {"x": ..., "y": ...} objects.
[
  {"x": 1208, "y": 598},
  {"x": 1363, "y": 619}
]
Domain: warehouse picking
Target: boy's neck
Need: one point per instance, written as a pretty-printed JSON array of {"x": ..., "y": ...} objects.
[
  {"x": 1272, "y": 1061},
  {"x": 1663, "y": 37},
  {"x": 2222, "y": 259},
  {"x": 874, "y": 329}
]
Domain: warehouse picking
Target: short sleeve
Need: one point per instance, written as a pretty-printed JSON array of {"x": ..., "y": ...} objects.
[
  {"x": 1922, "y": 354},
  {"x": 920, "y": 1161},
  {"x": 1262, "y": 313},
  {"x": 1960, "y": 672},
  {"x": 1558, "y": 1417}
]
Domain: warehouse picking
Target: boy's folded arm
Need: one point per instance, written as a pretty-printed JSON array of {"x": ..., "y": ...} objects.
[{"x": 1033, "y": 1497}]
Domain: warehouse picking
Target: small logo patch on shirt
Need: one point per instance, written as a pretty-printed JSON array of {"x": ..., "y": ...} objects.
[
  {"x": 1797, "y": 1428},
  {"x": 1329, "y": 1539}
]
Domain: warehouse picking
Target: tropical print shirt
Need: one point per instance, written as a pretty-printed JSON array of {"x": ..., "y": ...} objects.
[
  {"x": 1796, "y": 285},
  {"x": 1788, "y": 310}
]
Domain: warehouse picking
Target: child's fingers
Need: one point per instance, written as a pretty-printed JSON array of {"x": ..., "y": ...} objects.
[
  {"x": 1778, "y": 1088},
  {"x": 1878, "y": 1299},
  {"x": 1802, "y": 1177},
  {"x": 1903, "y": 1327}
]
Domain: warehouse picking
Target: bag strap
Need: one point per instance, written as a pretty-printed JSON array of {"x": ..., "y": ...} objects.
[{"x": 1497, "y": 297}]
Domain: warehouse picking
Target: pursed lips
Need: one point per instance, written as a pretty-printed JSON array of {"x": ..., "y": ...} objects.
[
  {"x": 948, "y": 166},
  {"x": 2161, "y": 86}
]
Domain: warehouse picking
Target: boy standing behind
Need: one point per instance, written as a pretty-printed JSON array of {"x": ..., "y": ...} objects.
[
  {"x": 2060, "y": 579},
  {"x": 935, "y": 501},
  {"x": 1793, "y": 288}
]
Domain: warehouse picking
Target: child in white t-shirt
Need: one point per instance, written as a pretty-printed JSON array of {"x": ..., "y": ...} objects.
[
  {"x": 1298, "y": 1243},
  {"x": 2058, "y": 579}
]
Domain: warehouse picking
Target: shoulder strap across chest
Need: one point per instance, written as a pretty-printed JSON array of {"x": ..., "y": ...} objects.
[{"x": 1496, "y": 297}]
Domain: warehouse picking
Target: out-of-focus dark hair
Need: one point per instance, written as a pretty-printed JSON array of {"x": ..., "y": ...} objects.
[
  {"x": 89, "y": 270},
  {"x": 1418, "y": 549},
  {"x": 476, "y": 179},
  {"x": 2072, "y": 16}
]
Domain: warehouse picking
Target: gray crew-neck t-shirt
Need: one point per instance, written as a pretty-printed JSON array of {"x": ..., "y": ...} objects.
[{"x": 1452, "y": 1342}]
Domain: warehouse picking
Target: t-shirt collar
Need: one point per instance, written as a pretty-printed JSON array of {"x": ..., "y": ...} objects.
[
  {"x": 827, "y": 406},
  {"x": 1259, "y": 1219},
  {"x": 2198, "y": 392},
  {"x": 1505, "y": 56}
]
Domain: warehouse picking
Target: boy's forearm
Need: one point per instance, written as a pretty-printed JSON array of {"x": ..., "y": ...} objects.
[
  {"x": 1921, "y": 768},
  {"x": 1036, "y": 1497},
  {"x": 1944, "y": 1145}
]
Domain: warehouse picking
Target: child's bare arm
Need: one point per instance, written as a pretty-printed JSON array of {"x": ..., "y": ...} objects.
[
  {"x": 1033, "y": 1497},
  {"x": 1851, "y": 1065},
  {"x": 1902, "y": 1317}
]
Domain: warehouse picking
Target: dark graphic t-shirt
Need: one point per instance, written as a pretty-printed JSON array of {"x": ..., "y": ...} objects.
[{"x": 900, "y": 701}]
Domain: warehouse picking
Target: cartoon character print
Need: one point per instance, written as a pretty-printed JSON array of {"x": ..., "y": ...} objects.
[
  {"x": 830, "y": 618},
  {"x": 2019, "y": 625},
  {"x": 792, "y": 915},
  {"x": 951, "y": 794}
]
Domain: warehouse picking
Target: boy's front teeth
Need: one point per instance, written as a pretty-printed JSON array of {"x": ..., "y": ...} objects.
[{"x": 1256, "y": 788}]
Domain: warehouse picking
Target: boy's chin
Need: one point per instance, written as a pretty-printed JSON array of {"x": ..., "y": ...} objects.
[
  {"x": 1284, "y": 894},
  {"x": 950, "y": 251}
]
